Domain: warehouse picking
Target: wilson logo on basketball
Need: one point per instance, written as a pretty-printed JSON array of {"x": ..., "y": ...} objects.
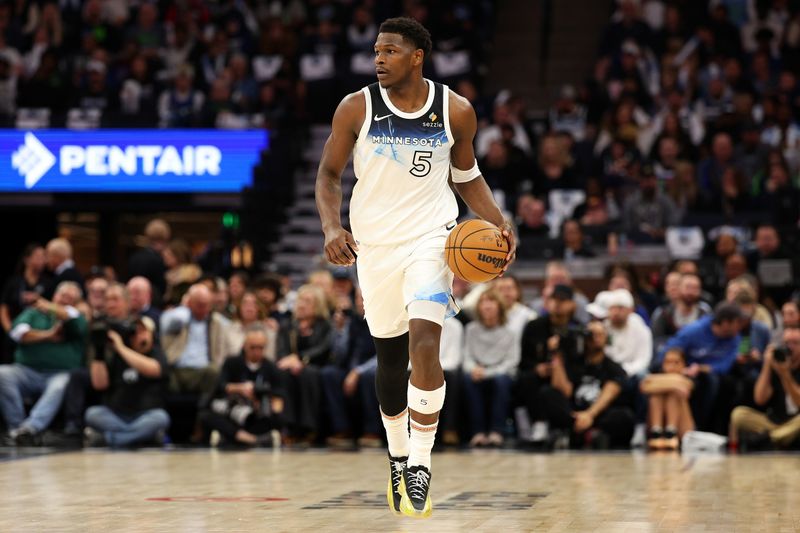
[{"x": 497, "y": 262}]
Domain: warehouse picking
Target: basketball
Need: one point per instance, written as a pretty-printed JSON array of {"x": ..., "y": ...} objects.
[{"x": 476, "y": 251}]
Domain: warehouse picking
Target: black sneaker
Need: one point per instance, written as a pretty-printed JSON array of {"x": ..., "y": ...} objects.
[
  {"x": 26, "y": 436},
  {"x": 393, "y": 494},
  {"x": 415, "y": 501},
  {"x": 93, "y": 438}
]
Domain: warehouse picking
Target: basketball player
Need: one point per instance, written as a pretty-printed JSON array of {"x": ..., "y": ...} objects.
[{"x": 410, "y": 139}]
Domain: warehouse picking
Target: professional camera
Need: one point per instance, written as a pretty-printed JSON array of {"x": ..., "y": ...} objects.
[
  {"x": 98, "y": 333},
  {"x": 781, "y": 354},
  {"x": 239, "y": 409}
]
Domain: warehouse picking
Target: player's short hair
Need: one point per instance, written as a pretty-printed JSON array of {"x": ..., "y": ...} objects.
[{"x": 410, "y": 30}]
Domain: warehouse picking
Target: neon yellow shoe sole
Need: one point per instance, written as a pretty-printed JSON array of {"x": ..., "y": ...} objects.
[
  {"x": 408, "y": 509},
  {"x": 390, "y": 499}
]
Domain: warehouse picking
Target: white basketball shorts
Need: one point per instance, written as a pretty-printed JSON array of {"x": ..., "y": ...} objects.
[{"x": 393, "y": 276}]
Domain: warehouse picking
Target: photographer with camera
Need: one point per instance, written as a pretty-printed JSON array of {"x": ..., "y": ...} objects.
[
  {"x": 777, "y": 391},
  {"x": 132, "y": 377},
  {"x": 249, "y": 400},
  {"x": 556, "y": 329},
  {"x": 50, "y": 338},
  {"x": 581, "y": 397}
]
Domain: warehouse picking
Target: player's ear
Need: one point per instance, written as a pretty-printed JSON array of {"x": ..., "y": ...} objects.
[{"x": 418, "y": 57}]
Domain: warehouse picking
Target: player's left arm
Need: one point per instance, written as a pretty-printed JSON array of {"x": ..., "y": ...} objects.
[{"x": 466, "y": 177}]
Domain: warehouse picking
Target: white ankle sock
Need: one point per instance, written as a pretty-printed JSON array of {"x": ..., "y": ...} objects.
[
  {"x": 421, "y": 444},
  {"x": 397, "y": 433}
]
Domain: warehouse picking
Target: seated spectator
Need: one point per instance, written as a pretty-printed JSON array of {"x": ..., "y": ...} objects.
[
  {"x": 573, "y": 245},
  {"x": 238, "y": 284},
  {"x": 623, "y": 275},
  {"x": 451, "y": 357},
  {"x": 517, "y": 313},
  {"x": 61, "y": 265},
  {"x": 748, "y": 283},
  {"x": 96, "y": 296},
  {"x": 790, "y": 318},
  {"x": 766, "y": 245},
  {"x": 581, "y": 394},
  {"x": 140, "y": 293},
  {"x": 50, "y": 339},
  {"x": 532, "y": 226},
  {"x": 196, "y": 341},
  {"x": 352, "y": 354},
  {"x": 134, "y": 385},
  {"x": 554, "y": 168},
  {"x": 557, "y": 273},
  {"x": 777, "y": 393},
  {"x": 686, "y": 309},
  {"x": 648, "y": 212},
  {"x": 491, "y": 357},
  {"x": 711, "y": 169},
  {"x": 668, "y": 393},
  {"x": 711, "y": 345},
  {"x": 555, "y": 328},
  {"x": 304, "y": 347},
  {"x": 249, "y": 397},
  {"x": 251, "y": 315},
  {"x": 148, "y": 261},
  {"x": 20, "y": 291}
]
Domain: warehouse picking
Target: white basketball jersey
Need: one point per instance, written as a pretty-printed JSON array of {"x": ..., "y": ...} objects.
[{"x": 402, "y": 165}]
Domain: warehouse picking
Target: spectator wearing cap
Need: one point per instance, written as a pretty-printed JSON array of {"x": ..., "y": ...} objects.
[
  {"x": 558, "y": 273},
  {"x": 554, "y": 331},
  {"x": 148, "y": 261},
  {"x": 630, "y": 346},
  {"x": 711, "y": 345},
  {"x": 134, "y": 382},
  {"x": 648, "y": 212},
  {"x": 61, "y": 265},
  {"x": 582, "y": 396},
  {"x": 51, "y": 338}
]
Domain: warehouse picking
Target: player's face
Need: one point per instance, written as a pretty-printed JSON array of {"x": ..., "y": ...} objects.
[{"x": 394, "y": 58}]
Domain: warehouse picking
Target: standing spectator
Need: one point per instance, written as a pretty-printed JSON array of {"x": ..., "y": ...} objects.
[
  {"x": 140, "y": 293},
  {"x": 777, "y": 391},
  {"x": 196, "y": 341},
  {"x": 51, "y": 338},
  {"x": 648, "y": 212},
  {"x": 249, "y": 398},
  {"x": 20, "y": 291},
  {"x": 180, "y": 106},
  {"x": 61, "y": 265},
  {"x": 148, "y": 261},
  {"x": 581, "y": 394},
  {"x": 134, "y": 384},
  {"x": 668, "y": 392},
  {"x": 304, "y": 347},
  {"x": 491, "y": 357},
  {"x": 711, "y": 345}
]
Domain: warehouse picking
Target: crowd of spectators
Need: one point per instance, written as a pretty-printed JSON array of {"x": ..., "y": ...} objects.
[
  {"x": 223, "y": 64},
  {"x": 251, "y": 360}
]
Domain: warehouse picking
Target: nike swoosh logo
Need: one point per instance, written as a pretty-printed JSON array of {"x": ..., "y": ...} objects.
[
  {"x": 449, "y": 227},
  {"x": 377, "y": 118}
]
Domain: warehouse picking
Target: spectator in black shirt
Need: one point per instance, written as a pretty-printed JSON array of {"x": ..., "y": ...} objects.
[
  {"x": 148, "y": 261},
  {"x": 249, "y": 401},
  {"x": 573, "y": 245},
  {"x": 134, "y": 385},
  {"x": 777, "y": 391},
  {"x": 21, "y": 290},
  {"x": 60, "y": 263},
  {"x": 581, "y": 395}
]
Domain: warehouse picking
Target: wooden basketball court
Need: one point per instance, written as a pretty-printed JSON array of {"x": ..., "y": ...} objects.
[{"x": 498, "y": 491}]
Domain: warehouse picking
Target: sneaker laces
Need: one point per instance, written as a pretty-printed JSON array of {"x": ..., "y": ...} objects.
[
  {"x": 397, "y": 472},
  {"x": 417, "y": 484}
]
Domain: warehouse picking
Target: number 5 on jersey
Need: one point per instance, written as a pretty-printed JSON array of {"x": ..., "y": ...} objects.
[{"x": 422, "y": 164}]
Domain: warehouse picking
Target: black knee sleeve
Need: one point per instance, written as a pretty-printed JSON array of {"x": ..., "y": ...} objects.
[{"x": 391, "y": 376}]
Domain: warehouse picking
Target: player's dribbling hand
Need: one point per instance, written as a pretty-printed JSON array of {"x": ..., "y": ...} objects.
[
  {"x": 508, "y": 233},
  {"x": 340, "y": 247}
]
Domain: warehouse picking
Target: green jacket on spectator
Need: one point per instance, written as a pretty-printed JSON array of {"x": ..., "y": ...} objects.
[{"x": 48, "y": 355}]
